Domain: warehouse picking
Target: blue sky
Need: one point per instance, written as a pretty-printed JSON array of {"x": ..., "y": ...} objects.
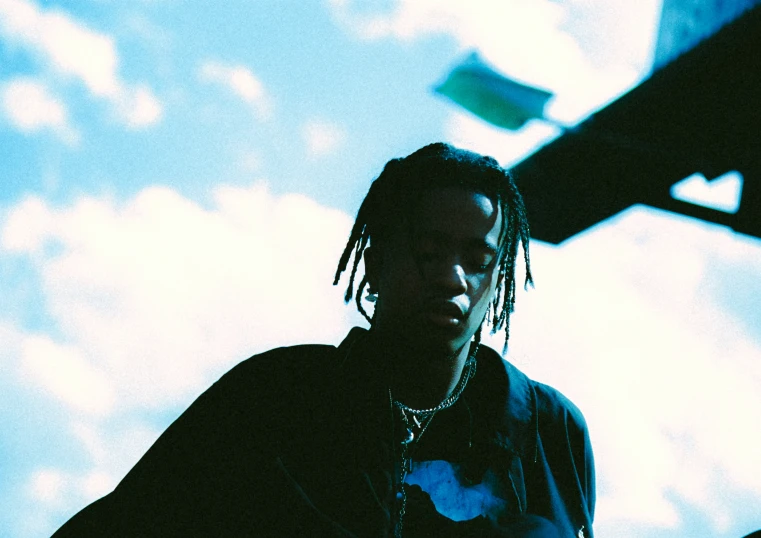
[{"x": 178, "y": 180}]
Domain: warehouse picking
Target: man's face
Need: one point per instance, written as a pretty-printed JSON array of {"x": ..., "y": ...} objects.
[{"x": 435, "y": 281}]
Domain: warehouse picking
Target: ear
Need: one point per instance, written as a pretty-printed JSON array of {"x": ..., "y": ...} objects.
[{"x": 373, "y": 265}]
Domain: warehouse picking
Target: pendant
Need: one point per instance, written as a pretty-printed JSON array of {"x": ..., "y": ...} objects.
[{"x": 409, "y": 437}]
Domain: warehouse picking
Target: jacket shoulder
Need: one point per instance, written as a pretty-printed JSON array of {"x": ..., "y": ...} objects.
[
  {"x": 554, "y": 406},
  {"x": 227, "y": 428},
  {"x": 283, "y": 365},
  {"x": 567, "y": 451}
]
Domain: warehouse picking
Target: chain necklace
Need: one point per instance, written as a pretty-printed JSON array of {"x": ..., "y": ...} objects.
[{"x": 420, "y": 419}]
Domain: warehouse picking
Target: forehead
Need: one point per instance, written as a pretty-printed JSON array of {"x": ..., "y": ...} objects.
[{"x": 457, "y": 213}]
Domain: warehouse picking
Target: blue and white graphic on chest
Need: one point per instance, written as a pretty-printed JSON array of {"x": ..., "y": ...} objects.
[{"x": 452, "y": 496}]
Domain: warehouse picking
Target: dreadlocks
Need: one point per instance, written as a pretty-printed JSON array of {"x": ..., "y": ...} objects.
[{"x": 393, "y": 195}]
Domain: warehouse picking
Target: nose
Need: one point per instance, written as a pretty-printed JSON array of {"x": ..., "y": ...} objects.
[{"x": 451, "y": 275}]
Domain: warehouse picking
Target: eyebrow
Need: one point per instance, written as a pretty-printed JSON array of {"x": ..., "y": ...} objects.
[{"x": 473, "y": 243}]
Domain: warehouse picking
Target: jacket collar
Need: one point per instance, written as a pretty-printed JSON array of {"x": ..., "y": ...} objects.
[{"x": 517, "y": 430}]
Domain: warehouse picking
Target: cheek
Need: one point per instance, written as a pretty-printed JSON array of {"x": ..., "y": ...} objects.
[
  {"x": 401, "y": 274},
  {"x": 484, "y": 291},
  {"x": 399, "y": 287}
]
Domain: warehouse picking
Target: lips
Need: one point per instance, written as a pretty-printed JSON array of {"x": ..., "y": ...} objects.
[{"x": 446, "y": 314}]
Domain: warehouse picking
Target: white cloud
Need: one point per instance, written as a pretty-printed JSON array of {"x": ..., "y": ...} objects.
[
  {"x": 467, "y": 131},
  {"x": 723, "y": 193},
  {"x": 139, "y": 107},
  {"x": 56, "y": 492},
  {"x": 322, "y": 138},
  {"x": 110, "y": 448},
  {"x": 543, "y": 42},
  {"x": 549, "y": 44},
  {"x": 113, "y": 448},
  {"x": 98, "y": 483},
  {"x": 614, "y": 32},
  {"x": 26, "y": 228},
  {"x": 152, "y": 300},
  {"x": 74, "y": 50},
  {"x": 157, "y": 297},
  {"x": 249, "y": 160},
  {"x": 239, "y": 80},
  {"x": 30, "y": 106},
  {"x": 64, "y": 372},
  {"x": 46, "y": 486}
]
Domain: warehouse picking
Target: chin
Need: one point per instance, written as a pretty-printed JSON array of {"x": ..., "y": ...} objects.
[
  {"x": 431, "y": 338},
  {"x": 446, "y": 343}
]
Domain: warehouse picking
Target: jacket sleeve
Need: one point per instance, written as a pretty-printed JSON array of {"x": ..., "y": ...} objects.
[
  {"x": 214, "y": 471},
  {"x": 563, "y": 470}
]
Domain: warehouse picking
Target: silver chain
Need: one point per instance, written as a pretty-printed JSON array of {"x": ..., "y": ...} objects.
[
  {"x": 426, "y": 417},
  {"x": 469, "y": 371}
]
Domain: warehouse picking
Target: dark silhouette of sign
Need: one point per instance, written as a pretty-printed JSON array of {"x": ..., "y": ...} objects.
[{"x": 701, "y": 113}]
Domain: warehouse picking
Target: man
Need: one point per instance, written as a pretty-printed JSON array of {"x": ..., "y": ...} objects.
[{"x": 409, "y": 429}]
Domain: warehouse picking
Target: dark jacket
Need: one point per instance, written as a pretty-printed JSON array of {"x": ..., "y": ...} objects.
[{"x": 297, "y": 442}]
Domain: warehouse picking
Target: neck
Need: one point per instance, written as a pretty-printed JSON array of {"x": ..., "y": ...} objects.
[{"x": 421, "y": 378}]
